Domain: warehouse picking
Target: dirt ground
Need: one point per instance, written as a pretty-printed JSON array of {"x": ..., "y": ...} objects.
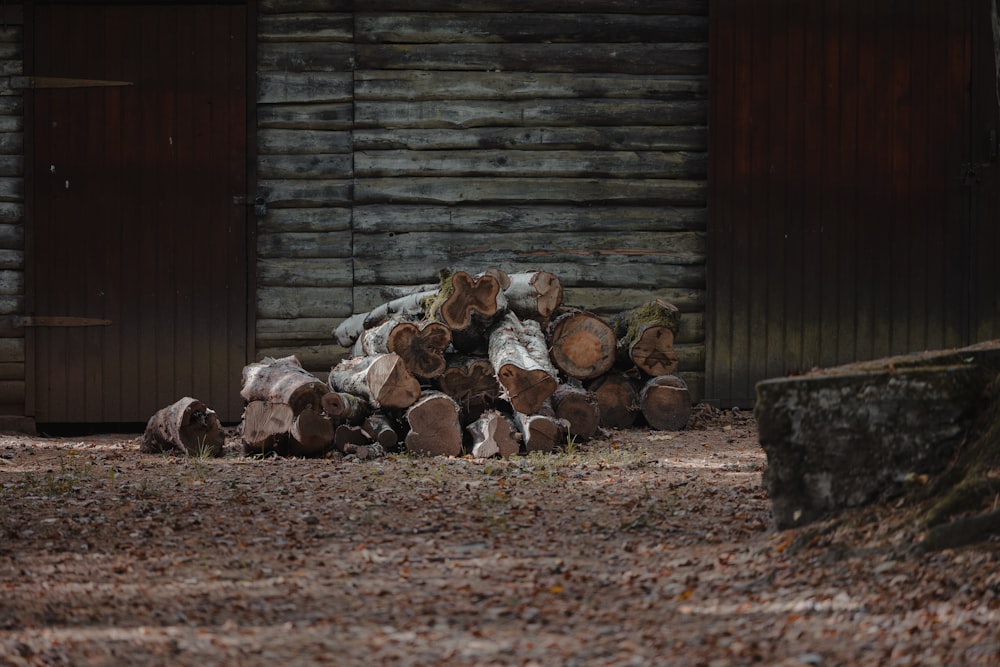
[{"x": 642, "y": 548}]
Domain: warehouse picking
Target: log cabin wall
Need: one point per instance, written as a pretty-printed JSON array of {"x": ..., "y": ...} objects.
[
  {"x": 395, "y": 142},
  {"x": 12, "y": 251}
]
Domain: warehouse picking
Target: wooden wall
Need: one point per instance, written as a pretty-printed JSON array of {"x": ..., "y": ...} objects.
[{"x": 395, "y": 142}]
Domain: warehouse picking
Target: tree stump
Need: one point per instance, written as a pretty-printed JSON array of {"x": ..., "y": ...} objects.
[
  {"x": 494, "y": 434},
  {"x": 435, "y": 429},
  {"x": 520, "y": 358},
  {"x": 646, "y": 337},
  {"x": 382, "y": 379},
  {"x": 187, "y": 427},
  {"x": 283, "y": 381},
  {"x": 617, "y": 398},
  {"x": 666, "y": 403},
  {"x": 582, "y": 345}
]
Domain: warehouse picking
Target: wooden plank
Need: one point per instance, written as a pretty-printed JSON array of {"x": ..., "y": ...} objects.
[
  {"x": 296, "y": 302},
  {"x": 579, "y": 163},
  {"x": 304, "y": 272},
  {"x": 11, "y": 165},
  {"x": 519, "y": 190},
  {"x": 11, "y": 188},
  {"x": 12, "y": 349},
  {"x": 329, "y": 245},
  {"x": 273, "y": 332},
  {"x": 546, "y": 113},
  {"x": 447, "y": 85},
  {"x": 305, "y": 57},
  {"x": 694, "y": 7},
  {"x": 316, "y": 166},
  {"x": 685, "y": 137},
  {"x": 303, "y": 142},
  {"x": 305, "y": 116},
  {"x": 296, "y": 87},
  {"x": 303, "y": 6},
  {"x": 315, "y": 26},
  {"x": 528, "y": 218},
  {"x": 305, "y": 193},
  {"x": 314, "y": 357},
  {"x": 479, "y": 27},
  {"x": 12, "y": 371},
  {"x": 284, "y": 220},
  {"x": 591, "y": 57},
  {"x": 12, "y": 235},
  {"x": 12, "y": 259}
]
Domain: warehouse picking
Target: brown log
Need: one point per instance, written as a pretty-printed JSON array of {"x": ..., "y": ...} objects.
[
  {"x": 408, "y": 307},
  {"x": 579, "y": 408},
  {"x": 283, "y": 381},
  {"x": 646, "y": 337},
  {"x": 382, "y": 379},
  {"x": 383, "y": 430},
  {"x": 541, "y": 433},
  {"x": 534, "y": 295},
  {"x": 471, "y": 381},
  {"x": 520, "y": 358},
  {"x": 617, "y": 398},
  {"x": 348, "y": 436},
  {"x": 347, "y": 407},
  {"x": 311, "y": 434},
  {"x": 266, "y": 426},
  {"x": 187, "y": 427},
  {"x": 421, "y": 345},
  {"x": 666, "y": 403},
  {"x": 468, "y": 305},
  {"x": 494, "y": 434},
  {"x": 583, "y": 345},
  {"x": 435, "y": 429}
]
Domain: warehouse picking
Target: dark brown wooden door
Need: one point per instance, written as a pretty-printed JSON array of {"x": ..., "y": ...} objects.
[{"x": 132, "y": 216}]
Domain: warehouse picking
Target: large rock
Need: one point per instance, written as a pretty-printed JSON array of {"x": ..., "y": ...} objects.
[{"x": 844, "y": 436}]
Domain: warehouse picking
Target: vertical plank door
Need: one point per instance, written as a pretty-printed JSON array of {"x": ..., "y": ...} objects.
[{"x": 133, "y": 212}]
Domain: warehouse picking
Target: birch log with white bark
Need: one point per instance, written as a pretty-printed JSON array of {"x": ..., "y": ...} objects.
[{"x": 520, "y": 358}]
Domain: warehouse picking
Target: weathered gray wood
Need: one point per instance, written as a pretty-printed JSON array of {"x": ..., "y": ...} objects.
[
  {"x": 608, "y": 301},
  {"x": 294, "y": 302},
  {"x": 304, "y": 6},
  {"x": 517, "y": 190},
  {"x": 438, "y": 85},
  {"x": 305, "y": 193},
  {"x": 286, "y": 220},
  {"x": 659, "y": 58},
  {"x": 328, "y": 116},
  {"x": 306, "y": 272},
  {"x": 527, "y": 218},
  {"x": 292, "y": 87},
  {"x": 11, "y": 143},
  {"x": 274, "y": 332},
  {"x": 303, "y": 142},
  {"x": 691, "y": 7},
  {"x": 666, "y": 138},
  {"x": 305, "y": 56},
  {"x": 443, "y": 114},
  {"x": 11, "y": 216},
  {"x": 479, "y": 27},
  {"x": 316, "y": 166},
  {"x": 315, "y": 358},
  {"x": 317, "y": 26},
  {"x": 11, "y": 282},
  {"x": 325, "y": 245},
  {"x": 544, "y": 164}
]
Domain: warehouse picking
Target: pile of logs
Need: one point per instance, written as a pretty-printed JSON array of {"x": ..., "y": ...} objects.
[{"x": 490, "y": 364}]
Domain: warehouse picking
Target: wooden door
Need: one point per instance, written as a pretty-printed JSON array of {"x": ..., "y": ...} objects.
[{"x": 135, "y": 212}]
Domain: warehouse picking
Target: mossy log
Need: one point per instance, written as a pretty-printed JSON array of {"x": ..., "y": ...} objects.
[
  {"x": 646, "y": 337},
  {"x": 187, "y": 426}
]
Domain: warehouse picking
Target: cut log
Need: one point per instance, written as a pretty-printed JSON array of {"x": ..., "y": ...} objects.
[
  {"x": 520, "y": 358},
  {"x": 266, "y": 426},
  {"x": 421, "y": 345},
  {"x": 617, "y": 398},
  {"x": 666, "y": 403},
  {"x": 408, "y": 307},
  {"x": 646, "y": 337},
  {"x": 383, "y": 430},
  {"x": 435, "y": 429},
  {"x": 579, "y": 408},
  {"x": 346, "y": 407},
  {"x": 494, "y": 434},
  {"x": 311, "y": 434},
  {"x": 541, "y": 433},
  {"x": 534, "y": 295},
  {"x": 582, "y": 345},
  {"x": 471, "y": 381},
  {"x": 348, "y": 436},
  {"x": 468, "y": 306},
  {"x": 187, "y": 427},
  {"x": 283, "y": 381},
  {"x": 382, "y": 379}
]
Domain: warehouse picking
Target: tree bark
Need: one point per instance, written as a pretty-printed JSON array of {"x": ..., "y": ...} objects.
[
  {"x": 617, "y": 398},
  {"x": 494, "y": 434},
  {"x": 409, "y": 307},
  {"x": 666, "y": 403},
  {"x": 579, "y": 408},
  {"x": 187, "y": 427},
  {"x": 534, "y": 295},
  {"x": 646, "y": 337},
  {"x": 471, "y": 382},
  {"x": 582, "y": 345},
  {"x": 541, "y": 433},
  {"x": 421, "y": 345},
  {"x": 346, "y": 407},
  {"x": 435, "y": 429},
  {"x": 383, "y": 430},
  {"x": 520, "y": 358},
  {"x": 266, "y": 426},
  {"x": 283, "y": 381},
  {"x": 311, "y": 434},
  {"x": 382, "y": 379}
]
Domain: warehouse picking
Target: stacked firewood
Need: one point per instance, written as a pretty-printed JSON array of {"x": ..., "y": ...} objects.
[{"x": 490, "y": 364}]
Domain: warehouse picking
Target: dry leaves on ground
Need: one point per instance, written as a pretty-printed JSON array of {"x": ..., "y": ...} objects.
[{"x": 640, "y": 548}]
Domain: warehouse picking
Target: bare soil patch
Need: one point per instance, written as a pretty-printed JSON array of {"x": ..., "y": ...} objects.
[{"x": 640, "y": 548}]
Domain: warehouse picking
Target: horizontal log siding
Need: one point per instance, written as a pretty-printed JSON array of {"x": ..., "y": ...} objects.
[
  {"x": 305, "y": 115},
  {"x": 12, "y": 248},
  {"x": 502, "y": 134}
]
